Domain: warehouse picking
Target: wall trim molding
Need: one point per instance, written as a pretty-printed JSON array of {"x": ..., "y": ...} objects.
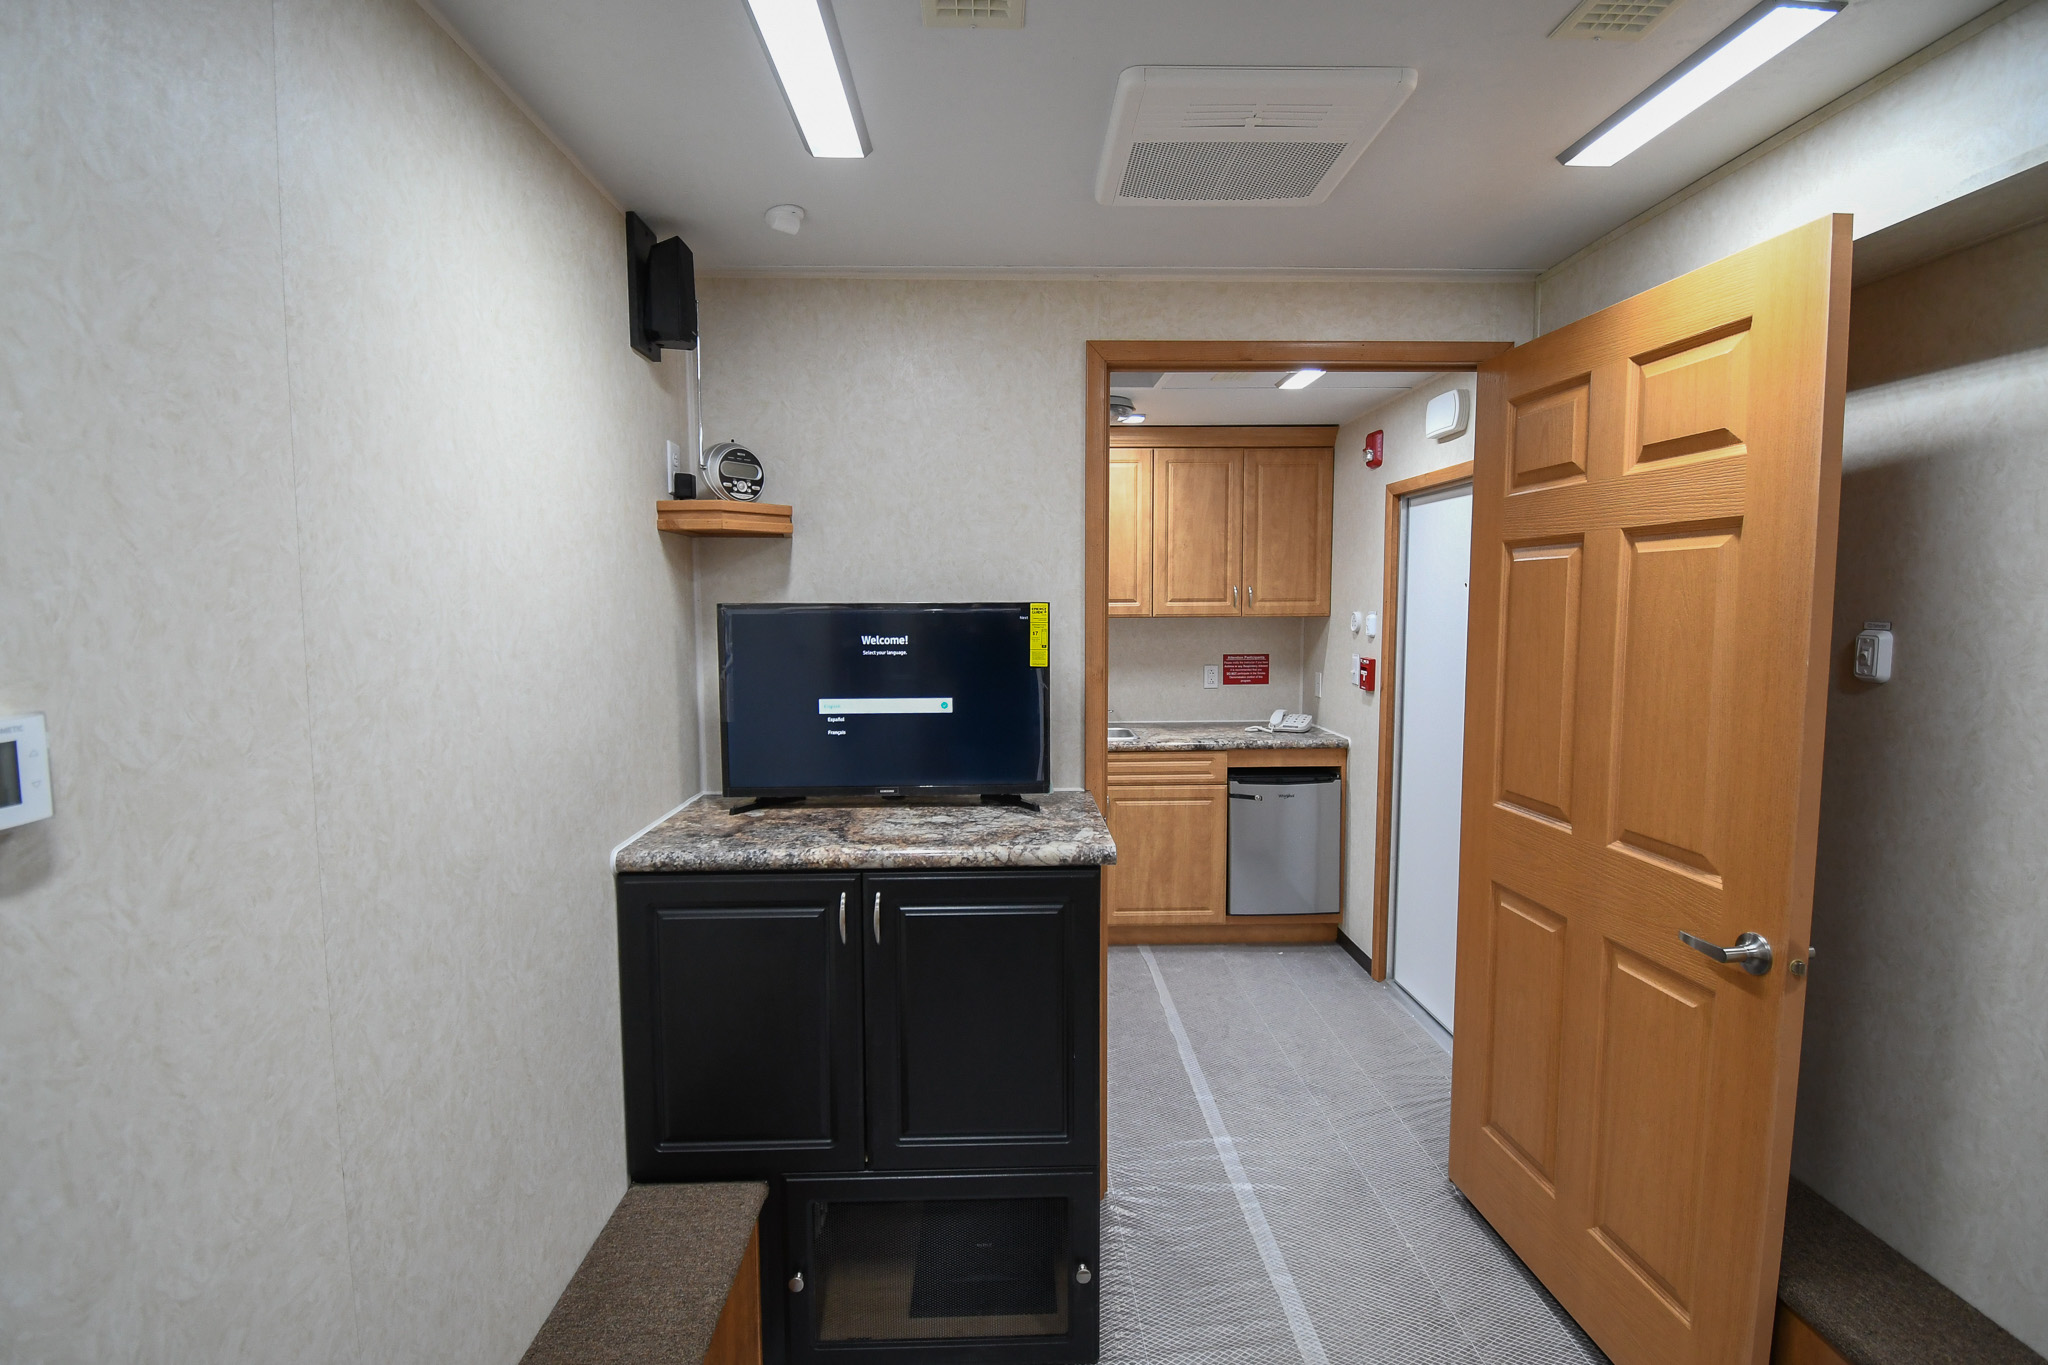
[{"x": 1142, "y": 274}]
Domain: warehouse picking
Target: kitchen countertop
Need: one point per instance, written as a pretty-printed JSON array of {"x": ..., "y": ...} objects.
[
  {"x": 1170, "y": 736},
  {"x": 845, "y": 833}
]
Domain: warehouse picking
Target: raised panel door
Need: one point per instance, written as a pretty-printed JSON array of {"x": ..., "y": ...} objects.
[
  {"x": 1197, "y": 521},
  {"x": 1130, "y": 532},
  {"x": 1653, "y": 549},
  {"x": 1287, "y": 513},
  {"x": 1173, "y": 854}
]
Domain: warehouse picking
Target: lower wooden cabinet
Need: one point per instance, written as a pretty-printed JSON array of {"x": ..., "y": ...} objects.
[{"x": 1173, "y": 854}]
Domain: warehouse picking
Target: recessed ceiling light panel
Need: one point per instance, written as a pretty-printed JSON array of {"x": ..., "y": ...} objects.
[
  {"x": 803, "y": 46},
  {"x": 1741, "y": 48},
  {"x": 1262, "y": 136}
]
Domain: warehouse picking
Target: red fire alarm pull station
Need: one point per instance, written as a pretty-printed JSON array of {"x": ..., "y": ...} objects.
[
  {"x": 1367, "y": 671},
  {"x": 1375, "y": 453}
]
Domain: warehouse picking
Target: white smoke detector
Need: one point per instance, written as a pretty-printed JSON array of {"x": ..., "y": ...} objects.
[
  {"x": 787, "y": 218},
  {"x": 1242, "y": 135}
]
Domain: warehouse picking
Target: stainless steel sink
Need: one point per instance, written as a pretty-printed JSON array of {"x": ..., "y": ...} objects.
[{"x": 1122, "y": 732}]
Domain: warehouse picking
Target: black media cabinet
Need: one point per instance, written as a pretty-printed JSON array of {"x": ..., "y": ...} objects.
[{"x": 910, "y": 1059}]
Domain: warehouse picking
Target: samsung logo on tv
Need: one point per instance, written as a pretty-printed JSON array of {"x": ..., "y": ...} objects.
[{"x": 885, "y": 639}]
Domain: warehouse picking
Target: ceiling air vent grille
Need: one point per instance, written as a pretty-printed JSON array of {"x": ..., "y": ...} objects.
[
  {"x": 1234, "y": 172},
  {"x": 1626, "y": 19},
  {"x": 974, "y": 13},
  {"x": 1244, "y": 136}
]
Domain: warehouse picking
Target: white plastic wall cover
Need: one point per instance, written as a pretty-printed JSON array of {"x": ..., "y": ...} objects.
[
  {"x": 1256, "y": 136},
  {"x": 1447, "y": 415}
]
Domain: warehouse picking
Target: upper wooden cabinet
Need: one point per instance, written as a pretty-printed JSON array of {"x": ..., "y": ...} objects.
[
  {"x": 1197, "y": 515},
  {"x": 1220, "y": 521},
  {"x": 1287, "y": 495},
  {"x": 1130, "y": 532}
]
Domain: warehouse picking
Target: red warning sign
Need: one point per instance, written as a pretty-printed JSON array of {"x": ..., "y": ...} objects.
[{"x": 1242, "y": 669}]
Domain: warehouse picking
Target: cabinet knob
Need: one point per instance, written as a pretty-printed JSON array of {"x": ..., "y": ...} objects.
[
  {"x": 796, "y": 1283},
  {"x": 1082, "y": 1274}
]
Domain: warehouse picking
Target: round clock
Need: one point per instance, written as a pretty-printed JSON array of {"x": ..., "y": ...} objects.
[{"x": 733, "y": 471}]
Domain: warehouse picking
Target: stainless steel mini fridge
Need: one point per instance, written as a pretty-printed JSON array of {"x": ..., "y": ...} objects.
[{"x": 1286, "y": 840}]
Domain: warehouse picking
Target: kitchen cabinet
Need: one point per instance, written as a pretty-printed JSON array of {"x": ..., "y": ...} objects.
[
  {"x": 1197, "y": 531},
  {"x": 775, "y": 1024},
  {"x": 1287, "y": 512},
  {"x": 1130, "y": 532},
  {"x": 1204, "y": 521},
  {"x": 1169, "y": 814}
]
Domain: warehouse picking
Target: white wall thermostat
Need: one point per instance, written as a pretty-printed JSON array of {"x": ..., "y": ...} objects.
[
  {"x": 1447, "y": 415},
  {"x": 1873, "y": 662},
  {"x": 24, "y": 771}
]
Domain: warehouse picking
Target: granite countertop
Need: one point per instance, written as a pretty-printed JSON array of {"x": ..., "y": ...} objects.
[
  {"x": 844, "y": 833},
  {"x": 1168, "y": 736}
]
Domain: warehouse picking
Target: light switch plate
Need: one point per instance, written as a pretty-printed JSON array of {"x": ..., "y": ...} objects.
[
  {"x": 1873, "y": 661},
  {"x": 24, "y": 771}
]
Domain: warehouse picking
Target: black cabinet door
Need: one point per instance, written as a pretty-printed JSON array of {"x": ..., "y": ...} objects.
[
  {"x": 981, "y": 1018},
  {"x": 938, "y": 1269},
  {"x": 740, "y": 1003}
]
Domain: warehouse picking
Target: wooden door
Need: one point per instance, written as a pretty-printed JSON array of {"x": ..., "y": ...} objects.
[
  {"x": 740, "y": 1005},
  {"x": 1197, "y": 502},
  {"x": 1653, "y": 551},
  {"x": 1130, "y": 532},
  {"x": 1287, "y": 500},
  {"x": 981, "y": 1018}
]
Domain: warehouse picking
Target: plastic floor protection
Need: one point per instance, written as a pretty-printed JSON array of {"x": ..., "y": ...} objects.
[{"x": 1279, "y": 1131}]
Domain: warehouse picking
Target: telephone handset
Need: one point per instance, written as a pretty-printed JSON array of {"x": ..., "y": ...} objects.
[{"x": 1285, "y": 722}]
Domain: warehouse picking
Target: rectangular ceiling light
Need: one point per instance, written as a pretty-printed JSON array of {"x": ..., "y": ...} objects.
[
  {"x": 1301, "y": 379},
  {"x": 1743, "y": 46},
  {"x": 803, "y": 44}
]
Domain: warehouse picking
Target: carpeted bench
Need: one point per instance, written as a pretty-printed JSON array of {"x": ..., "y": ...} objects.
[
  {"x": 674, "y": 1277},
  {"x": 1845, "y": 1296}
]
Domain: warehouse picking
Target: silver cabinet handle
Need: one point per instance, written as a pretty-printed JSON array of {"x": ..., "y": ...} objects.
[
  {"x": 1752, "y": 952},
  {"x": 796, "y": 1283},
  {"x": 842, "y": 917},
  {"x": 1082, "y": 1274},
  {"x": 878, "y": 918},
  {"x": 1248, "y": 594},
  {"x": 1233, "y": 594}
]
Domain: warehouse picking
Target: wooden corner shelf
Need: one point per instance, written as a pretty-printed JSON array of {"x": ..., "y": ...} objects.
[{"x": 709, "y": 517}]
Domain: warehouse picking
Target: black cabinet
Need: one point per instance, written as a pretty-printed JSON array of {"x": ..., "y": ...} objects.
[
  {"x": 740, "y": 1002},
  {"x": 924, "y": 1269},
  {"x": 981, "y": 1019}
]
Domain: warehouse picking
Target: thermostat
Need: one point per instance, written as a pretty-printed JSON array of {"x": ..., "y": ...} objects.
[
  {"x": 1873, "y": 663},
  {"x": 24, "y": 771}
]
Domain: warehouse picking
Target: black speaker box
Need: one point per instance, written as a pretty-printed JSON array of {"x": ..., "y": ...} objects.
[{"x": 661, "y": 288}]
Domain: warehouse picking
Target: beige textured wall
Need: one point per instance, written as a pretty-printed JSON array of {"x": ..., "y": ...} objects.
[
  {"x": 1358, "y": 567},
  {"x": 929, "y": 433},
  {"x": 326, "y": 551},
  {"x": 1923, "y": 1099},
  {"x": 1155, "y": 667},
  {"x": 1952, "y": 123}
]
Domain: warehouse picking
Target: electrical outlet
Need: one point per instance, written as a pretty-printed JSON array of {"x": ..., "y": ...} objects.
[{"x": 1212, "y": 675}]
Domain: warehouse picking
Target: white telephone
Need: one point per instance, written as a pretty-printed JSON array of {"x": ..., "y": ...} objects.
[{"x": 1285, "y": 722}]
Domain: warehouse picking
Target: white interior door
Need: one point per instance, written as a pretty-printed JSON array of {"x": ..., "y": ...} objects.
[{"x": 1429, "y": 745}]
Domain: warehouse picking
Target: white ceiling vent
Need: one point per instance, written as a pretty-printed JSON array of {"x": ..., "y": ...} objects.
[
  {"x": 1242, "y": 135},
  {"x": 1626, "y": 19},
  {"x": 974, "y": 13}
]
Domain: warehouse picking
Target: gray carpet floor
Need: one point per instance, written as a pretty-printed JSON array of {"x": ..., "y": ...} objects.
[{"x": 1279, "y": 1136}]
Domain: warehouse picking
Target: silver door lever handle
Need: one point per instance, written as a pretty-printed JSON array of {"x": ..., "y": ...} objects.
[{"x": 1752, "y": 952}]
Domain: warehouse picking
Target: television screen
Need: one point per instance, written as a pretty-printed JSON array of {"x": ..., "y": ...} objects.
[{"x": 912, "y": 698}]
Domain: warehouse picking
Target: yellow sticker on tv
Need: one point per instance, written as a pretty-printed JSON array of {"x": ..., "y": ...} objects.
[{"x": 1041, "y": 634}]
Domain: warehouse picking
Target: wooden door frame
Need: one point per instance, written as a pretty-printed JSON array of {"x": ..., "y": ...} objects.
[
  {"x": 1390, "y": 620},
  {"x": 1102, "y": 357}
]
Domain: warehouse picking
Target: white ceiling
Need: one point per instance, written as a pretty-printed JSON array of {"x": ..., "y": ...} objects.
[
  {"x": 1245, "y": 398},
  {"x": 986, "y": 141}
]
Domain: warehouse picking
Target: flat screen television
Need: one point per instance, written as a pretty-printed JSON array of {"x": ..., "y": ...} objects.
[{"x": 902, "y": 699}]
